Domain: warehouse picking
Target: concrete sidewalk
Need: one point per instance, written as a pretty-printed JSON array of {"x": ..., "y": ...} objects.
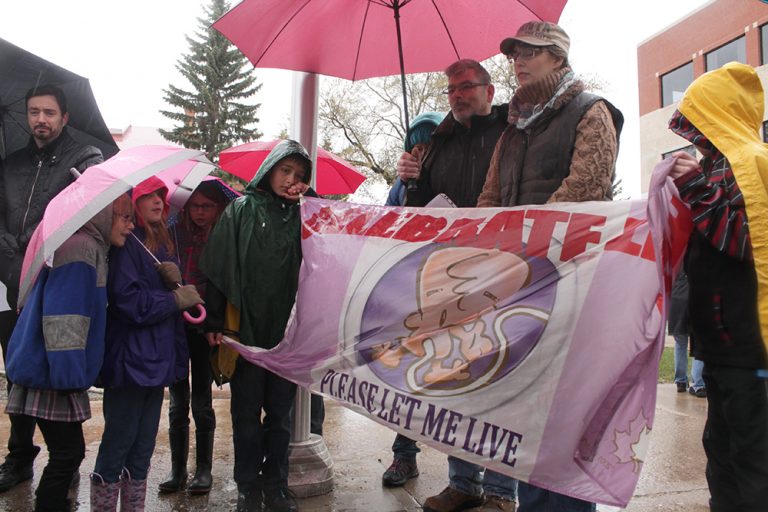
[{"x": 672, "y": 479}]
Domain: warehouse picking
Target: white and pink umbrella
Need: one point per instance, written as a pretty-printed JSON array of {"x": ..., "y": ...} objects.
[{"x": 99, "y": 186}]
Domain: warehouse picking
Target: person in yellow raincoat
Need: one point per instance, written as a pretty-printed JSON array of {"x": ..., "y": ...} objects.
[{"x": 727, "y": 266}]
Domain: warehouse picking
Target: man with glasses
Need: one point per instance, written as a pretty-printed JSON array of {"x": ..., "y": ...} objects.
[
  {"x": 461, "y": 146},
  {"x": 455, "y": 164},
  {"x": 29, "y": 179}
]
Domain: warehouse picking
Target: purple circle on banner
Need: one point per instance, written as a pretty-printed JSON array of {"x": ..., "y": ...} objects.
[{"x": 520, "y": 319}]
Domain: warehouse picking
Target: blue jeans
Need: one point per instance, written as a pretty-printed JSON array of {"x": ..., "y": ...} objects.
[
  {"x": 131, "y": 419},
  {"x": 681, "y": 364},
  {"x": 536, "y": 499},
  {"x": 404, "y": 448},
  {"x": 261, "y": 446},
  {"x": 473, "y": 479}
]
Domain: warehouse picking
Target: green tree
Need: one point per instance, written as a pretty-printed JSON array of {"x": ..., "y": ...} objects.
[{"x": 212, "y": 115}]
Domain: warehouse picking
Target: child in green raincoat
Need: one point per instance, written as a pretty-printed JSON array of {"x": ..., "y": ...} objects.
[{"x": 252, "y": 260}]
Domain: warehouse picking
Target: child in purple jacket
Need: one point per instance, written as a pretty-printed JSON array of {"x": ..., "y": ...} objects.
[{"x": 146, "y": 350}]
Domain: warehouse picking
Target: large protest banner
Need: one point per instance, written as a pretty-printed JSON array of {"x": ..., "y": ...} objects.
[{"x": 523, "y": 339}]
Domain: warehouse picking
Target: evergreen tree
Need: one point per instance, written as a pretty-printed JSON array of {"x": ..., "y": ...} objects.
[{"x": 212, "y": 116}]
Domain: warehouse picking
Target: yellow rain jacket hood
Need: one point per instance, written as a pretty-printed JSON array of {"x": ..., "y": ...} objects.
[{"x": 726, "y": 106}]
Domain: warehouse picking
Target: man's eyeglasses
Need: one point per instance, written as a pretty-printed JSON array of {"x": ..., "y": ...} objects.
[
  {"x": 206, "y": 207},
  {"x": 462, "y": 87},
  {"x": 523, "y": 53},
  {"x": 125, "y": 217}
]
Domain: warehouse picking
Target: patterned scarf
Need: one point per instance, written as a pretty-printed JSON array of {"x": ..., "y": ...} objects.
[
  {"x": 532, "y": 100},
  {"x": 724, "y": 227}
]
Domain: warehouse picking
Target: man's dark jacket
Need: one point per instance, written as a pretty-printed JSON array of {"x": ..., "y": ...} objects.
[
  {"x": 458, "y": 158},
  {"x": 29, "y": 179}
]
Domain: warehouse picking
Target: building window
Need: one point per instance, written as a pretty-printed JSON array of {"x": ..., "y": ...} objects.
[
  {"x": 736, "y": 50},
  {"x": 764, "y": 44},
  {"x": 674, "y": 84},
  {"x": 688, "y": 149}
]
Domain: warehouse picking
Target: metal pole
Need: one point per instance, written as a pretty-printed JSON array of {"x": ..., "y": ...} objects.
[
  {"x": 302, "y": 416},
  {"x": 304, "y": 130},
  {"x": 310, "y": 467},
  {"x": 304, "y": 115}
]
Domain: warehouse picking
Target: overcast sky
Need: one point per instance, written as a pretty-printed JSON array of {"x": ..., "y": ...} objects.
[{"x": 128, "y": 50}]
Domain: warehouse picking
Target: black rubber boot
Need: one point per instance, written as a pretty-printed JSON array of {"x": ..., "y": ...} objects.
[
  {"x": 177, "y": 478},
  {"x": 201, "y": 483},
  {"x": 249, "y": 499},
  {"x": 12, "y": 473}
]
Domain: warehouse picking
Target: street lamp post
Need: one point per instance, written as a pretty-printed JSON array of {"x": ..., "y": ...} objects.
[{"x": 310, "y": 465}]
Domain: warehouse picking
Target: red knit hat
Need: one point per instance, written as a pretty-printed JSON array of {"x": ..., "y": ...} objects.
[{"x": 146, "y": 187}]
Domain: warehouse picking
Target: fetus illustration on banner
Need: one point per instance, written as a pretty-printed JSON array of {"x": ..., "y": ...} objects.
[{"x": 478, "y": 314}]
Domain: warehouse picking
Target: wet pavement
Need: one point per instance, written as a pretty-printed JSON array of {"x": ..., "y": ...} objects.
[{"x": 672, "y": 479}]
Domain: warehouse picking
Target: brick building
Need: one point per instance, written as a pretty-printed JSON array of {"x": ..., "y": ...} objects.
[{"x": 720, "y": 31}]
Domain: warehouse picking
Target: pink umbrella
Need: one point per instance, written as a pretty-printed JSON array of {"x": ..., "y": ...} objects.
[
  {"x": 358, "y": 39},
  {"x": 95, "y": 189},
  {"x": 334, "y": 175},
  {"x": 180, "y": 186}
]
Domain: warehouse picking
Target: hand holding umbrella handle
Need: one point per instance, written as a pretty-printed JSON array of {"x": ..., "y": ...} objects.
[
  {"x": 195, "y": 320},
  {"x": 417, "y": 152}
]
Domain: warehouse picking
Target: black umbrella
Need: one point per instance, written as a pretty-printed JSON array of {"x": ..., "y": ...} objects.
[{"x": 21, "y": 71}]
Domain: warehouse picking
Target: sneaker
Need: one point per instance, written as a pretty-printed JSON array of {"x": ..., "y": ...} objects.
[
  {"x": 11, "y": 474},
  {"x": 279, "y": 500},
  {"x": 701, "y": 392},
  {"x": 682, "y": 387},
  {"x": 399, "y": 472},
  {"x": 451, "y": 500},
  {"x": 497, "y": 503}
]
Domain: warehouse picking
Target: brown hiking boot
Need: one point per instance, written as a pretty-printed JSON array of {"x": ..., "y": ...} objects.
[
  {"x": 399, "y": 472},
  {"x": 451, "y": 500},
  {"x": 497, "y": 503}
]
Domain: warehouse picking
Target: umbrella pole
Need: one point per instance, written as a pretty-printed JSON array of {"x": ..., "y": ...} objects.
[
  {"x": 396, "y": 7},
  {"x": 411, "y": 185},
  {"x": 145, "y": 247}
]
